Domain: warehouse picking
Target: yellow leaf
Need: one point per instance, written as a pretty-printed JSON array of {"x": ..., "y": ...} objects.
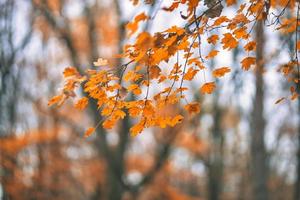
[
  {"x": 247, "y": 62},
  {"x": 221, "y": 71},
  {"x": 208, "y": 88},
  {"x": 137, "y": 128},
  {"x": 176, "y": 120}
]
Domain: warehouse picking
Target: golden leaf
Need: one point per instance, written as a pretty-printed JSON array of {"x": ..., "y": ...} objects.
[
  {"x": 208, "y": 88},
  {"x": 221, "y": 71},
  {"x": 229, "y": 41},
  {"x": 81, "y": 103},
  {"x": 193, "y": 107}
]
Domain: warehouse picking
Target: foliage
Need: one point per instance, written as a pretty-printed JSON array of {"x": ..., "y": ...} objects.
[{"x": 153, "y": 61}]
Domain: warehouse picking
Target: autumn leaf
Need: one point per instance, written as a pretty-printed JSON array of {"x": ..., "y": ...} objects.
[
  {"x": 192, "y": 108},
  {"x": 135, "y": 89},
  {"x": 190, "y": 74},
  {"x": 208, "y": 88},
  {"x": 137, "y": 128},
  {"x": 229, "y": 42},
  {"x": 279, "y": 100},
  {"x": 154, "y": 72},
  {"x": 58, "y": 99},
  {"x": 101, "y": 62},
  {"x": 133, "y": 26},
  {"x": 250, "y": 46},
  {"x": 220, "y": 20},
  {"x": 89, "y": 132},
  {"x": 81, "y": 103},
  {"x": 70, "y": 71},
  {"x": 109, "y": 123},
  {"x": 247, "y": 62},
  {"x": 213, "y": 39},
  {"x": 221, "y": 71},
  {"x": 176, "y": 120},
  {"x": 212, "y": 54}
]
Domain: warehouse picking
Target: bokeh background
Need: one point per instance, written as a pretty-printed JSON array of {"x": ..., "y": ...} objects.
[{"x": 43, "y": 154}]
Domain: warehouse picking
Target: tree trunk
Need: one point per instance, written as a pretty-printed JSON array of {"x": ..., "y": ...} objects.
[
  {"x": 215, "y": 170},
  {"x": 259, "y": 164},
  {"x": 297, "y": 182}
]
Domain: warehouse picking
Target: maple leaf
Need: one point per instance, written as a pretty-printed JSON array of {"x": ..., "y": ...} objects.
[
  {"x": 250, "y": 46},
  {"x": 213, "y": 39},
  {"x": 137, "y": 128},
  {"x": 89, "y": 132},
  {"x": 81, "y": 103},
  {"x": 190, "y": 74},
  {"x": 229, "y": 41},
  {"x": 109, "y": 123},
  {"x": 247, "y": 62},
  {"x": 175, "y": 120},
  {"x": 193, "y": 107},
  {"x": 212, "y": 54},
  {"x": 154, "y": 72},
  {"x": 208, "y": 88},
  {"x": 100, "y": 62},
  {"x": 133, "y": 26},
  {"x": 135, "y": 89},
  {"x": 220, "y": 20},
  {"x": 58, "y": 99},
  {"x": 70, "y": 71},
  {"x": 221, "y": 71}
]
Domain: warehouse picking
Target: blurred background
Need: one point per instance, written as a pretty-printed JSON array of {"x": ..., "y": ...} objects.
[{"x": 241, "y": 145}]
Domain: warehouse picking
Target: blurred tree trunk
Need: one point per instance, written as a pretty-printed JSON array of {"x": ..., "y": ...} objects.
[
  {"x": 297, "y": 182},
  {"x": 215, "y": 164},
  {"x": 259, "y": 163}
]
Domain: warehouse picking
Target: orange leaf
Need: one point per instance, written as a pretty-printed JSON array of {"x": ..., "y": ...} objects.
[
  {"x": 221, "y": 71},
  {"x": 70, "y": 71},
  {"x": 250, "y": 46},
  {"x": 247, "y": 62},
  {"x": 213, "y": 39},
  {"x": 190, "y": 74},
  {"x": 192, "y": 107},
  {"x": 58, "y": 99},
  {"x": 81, "y": 103},
  {"x": 133, "y": 26},
  {"x": 212, "y": 54},
  {"x": 229, "y": 41},
  {"x": 176, "y": 120},
  {"x": 89, "y": 132},
  {"x": 208, "y": 88}
]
